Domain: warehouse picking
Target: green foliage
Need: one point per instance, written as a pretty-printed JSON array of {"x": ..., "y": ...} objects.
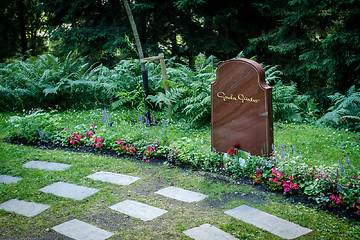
[
  {"x": 345, "y": 111},
  {"x": 316, "y": 44},
  {"x": 190, "y": 89},
  {"x": 51, "y": 82},
  {"x": 35, "y": 127}
]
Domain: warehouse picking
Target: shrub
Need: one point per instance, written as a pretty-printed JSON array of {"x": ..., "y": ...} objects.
[{"x": 345, "y": 111}]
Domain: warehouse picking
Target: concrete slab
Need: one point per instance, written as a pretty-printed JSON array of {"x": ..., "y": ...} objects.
[
  {"x": 52, "y": 166},
  {"x": 114, "y": 178},
  {"x": 68, "y": 190},
  {"x": 9, "y": 179},
  {"x": 181, "y": 194},
  {"x": 138, "y": 210},
  {"x": 80, "y": 230},
  {"x": 28, "y": 209},
  {"x": 268, "y": 222},
  {"x": 208, "y": 232}
]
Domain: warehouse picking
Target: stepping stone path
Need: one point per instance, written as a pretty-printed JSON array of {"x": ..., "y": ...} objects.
[
  {"x": 46, "y": 165},
  {"x": 114, "y": 178},
  {"x": 208, "y": 232},
  {"x": 79, "y": 230},
  {"x": 28, "y": 209},
  {"x": 7, "y": 179},
  {"x": 268, "y": 222},
  {"x": 138, "y": 210},
  {"x": 69, "y": 190},
  {"x": 181, "y": 194}
]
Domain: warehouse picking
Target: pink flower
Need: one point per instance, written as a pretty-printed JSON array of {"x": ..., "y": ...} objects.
[
  {"x": 357, "y": 177},
  {"x": 278, "y": 174},
  {"x": 291, "y": 178},
  {"x": 338, "y": 201},
  {"x": 286, "y": 189},
  {"x": 332, "y": 197},
  {"x": 224, "y": 165},
  {"x": 176, "y": 153},
  {"x": 71, "y": 141},
  {"x": 156, "y": 144},
  {"x": 258, "y": 170}
]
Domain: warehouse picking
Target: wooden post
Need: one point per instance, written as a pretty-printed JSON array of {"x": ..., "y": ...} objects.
[{"x": 163, "y": 73}]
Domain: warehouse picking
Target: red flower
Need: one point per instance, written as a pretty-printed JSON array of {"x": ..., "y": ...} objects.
[
  {"x": 237, "y": 146},
  {"x": 230, "y": 152}
]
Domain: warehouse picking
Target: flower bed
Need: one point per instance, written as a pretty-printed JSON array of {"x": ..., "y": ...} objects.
[{"x": 285, "y": 171}]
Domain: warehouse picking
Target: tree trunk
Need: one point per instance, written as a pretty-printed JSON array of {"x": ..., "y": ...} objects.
[
  {"x": 141, "y": 56},
  {"x": 23, "y": 39}
]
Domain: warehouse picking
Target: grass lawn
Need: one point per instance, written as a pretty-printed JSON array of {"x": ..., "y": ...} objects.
[
  {"x": 319, "y": 145},
  {"x": 223, "y": 195}
]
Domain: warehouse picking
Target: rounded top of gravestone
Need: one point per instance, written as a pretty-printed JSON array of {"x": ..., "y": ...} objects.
[{"x": 237, "y": 63}]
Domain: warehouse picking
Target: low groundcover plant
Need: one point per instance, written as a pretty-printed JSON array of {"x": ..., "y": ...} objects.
[{"x": 336, "y": 186}]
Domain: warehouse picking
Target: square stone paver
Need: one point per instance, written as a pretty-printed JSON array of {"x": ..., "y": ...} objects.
[
  {"x": 268, "y": 222},
  {"x": 52, "y": 166},
  {"x": 68, "y": 190},
  {"x": 138, "y": 210},
  {"x": 181, "y": 194},
  {"x": 79, "y": 230},
  {"x": 114, "y": 178},
  {"x": 28, "y": 209},
  {"x": 208, "y": 232},
  {"x": 9, "y": 179}
]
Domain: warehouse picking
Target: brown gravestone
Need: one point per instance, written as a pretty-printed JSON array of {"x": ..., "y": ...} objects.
[{"x": 241, "y": 108}]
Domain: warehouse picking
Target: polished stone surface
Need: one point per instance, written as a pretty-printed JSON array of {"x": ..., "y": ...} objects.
[{"x": 241, "y": 108}]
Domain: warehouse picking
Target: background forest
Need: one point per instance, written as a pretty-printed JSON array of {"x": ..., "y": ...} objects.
[{"x": 314, "y": 46}]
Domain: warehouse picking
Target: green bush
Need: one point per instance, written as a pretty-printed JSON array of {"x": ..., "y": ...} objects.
[{"x": 345, "y": 111}]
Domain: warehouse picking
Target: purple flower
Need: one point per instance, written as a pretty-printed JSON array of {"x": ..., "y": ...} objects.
[
  {"x": 140, "y": 119},
  {"x": 341, "y": 166},
  {"x": 348, "y": 162},
  {"x": 147, "y": 121},
  {"x": 41, "y": 134},
  {"x": 339, "y": 188}
]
